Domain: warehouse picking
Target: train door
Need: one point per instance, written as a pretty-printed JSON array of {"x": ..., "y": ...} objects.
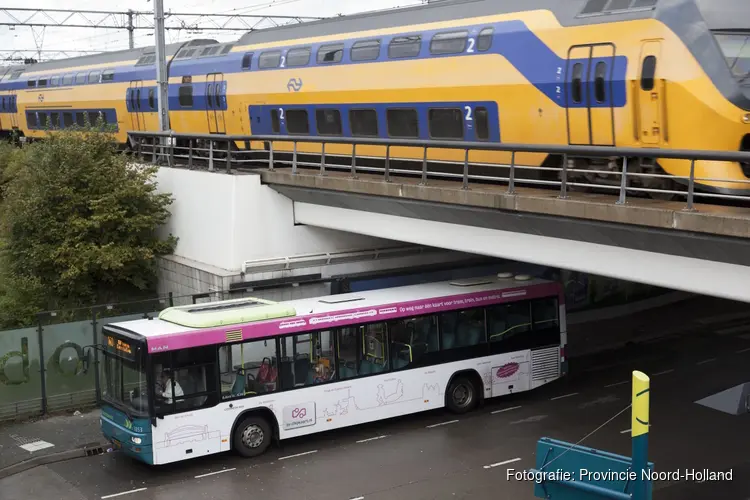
[
  {"x": 14, "y": 109},
  {"x": 649, "y": 95},
  {"x": 216, "y": 103},
  {"x": 576, "y": 95},
  {"x": 589, "y": 96},
  {"x": 134, "y": 94}
]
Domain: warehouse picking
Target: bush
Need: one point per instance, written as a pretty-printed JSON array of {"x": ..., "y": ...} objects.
[{"x": 79, "y": 224}]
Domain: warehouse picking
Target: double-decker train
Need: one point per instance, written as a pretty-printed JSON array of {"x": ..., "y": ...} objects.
[{"x": 669, "y": 74}]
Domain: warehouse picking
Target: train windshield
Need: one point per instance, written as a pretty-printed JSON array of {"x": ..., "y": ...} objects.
[{"x": 736, "y": 49}]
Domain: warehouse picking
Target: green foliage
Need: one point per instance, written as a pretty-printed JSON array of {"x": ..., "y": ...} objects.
[{"x": 80, "y": 225}]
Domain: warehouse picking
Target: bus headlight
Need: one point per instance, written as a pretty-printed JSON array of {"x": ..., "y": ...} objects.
[
  {"x": 746, "y": 118},
  {"x": 135, "y": 440}
]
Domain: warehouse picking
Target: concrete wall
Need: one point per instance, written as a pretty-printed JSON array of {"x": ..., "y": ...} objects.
[{"x": 223, "y": 220}]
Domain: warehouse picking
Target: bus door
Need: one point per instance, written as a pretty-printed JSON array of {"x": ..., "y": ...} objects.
[
  {"x": 216, "y": 103},
  {"x": 649, "y": 95},
  {"x": 589, "y": 97},
  {"x": 134, "y": 95}
]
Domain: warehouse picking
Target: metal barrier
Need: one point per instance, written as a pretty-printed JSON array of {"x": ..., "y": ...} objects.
[{"x": 163, "y": 146}]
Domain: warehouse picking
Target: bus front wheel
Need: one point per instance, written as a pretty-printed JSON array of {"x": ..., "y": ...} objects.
[
  {"x": 462, "y": 395},
  {"x": 252, "y": 436}
]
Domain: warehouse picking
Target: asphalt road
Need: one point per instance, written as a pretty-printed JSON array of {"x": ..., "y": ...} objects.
[{"x": 438, "y": 455}]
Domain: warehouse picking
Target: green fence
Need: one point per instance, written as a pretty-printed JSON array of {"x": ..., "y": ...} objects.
[{"x": 41, "y": 367}]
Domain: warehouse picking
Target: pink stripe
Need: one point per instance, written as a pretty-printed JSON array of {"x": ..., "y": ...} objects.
[{"x": 313, "y": 322}]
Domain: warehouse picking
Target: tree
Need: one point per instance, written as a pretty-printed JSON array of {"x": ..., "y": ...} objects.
[{"x": 80, "y": 223}]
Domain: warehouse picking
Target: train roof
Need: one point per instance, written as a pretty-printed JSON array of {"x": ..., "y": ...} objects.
[
  {"x": 247, "y": 311},
  {"x": 725, "y": 14}
]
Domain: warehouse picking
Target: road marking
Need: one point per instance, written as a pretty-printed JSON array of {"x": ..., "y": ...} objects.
[
  {"x": 517, "y": 459},
  {"x": 664, "y": 372},
  {"x": 217, "y": 472},
  {"x": 504, "y": 410},
  {"x": 123, "y": 493},
  {"x": 358, "y": 498},
  {"x": 299, "y": 454},
  {"x": 370, "y": 439},
  {"x": 36, "y": 446},
  {"x": 617, "y": 383},
  {"x": 705, "y": 361},
  {"x": 742, "y": 350},
  {"x": 564, "y": 396},
  {"x": 625, "y": 431},
  {"x": 442, "y": 423}
]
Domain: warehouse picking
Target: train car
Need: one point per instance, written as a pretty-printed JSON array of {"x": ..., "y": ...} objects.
[
  {"x": 672, "y": 74},
  {"x": 8, "y": 106}
]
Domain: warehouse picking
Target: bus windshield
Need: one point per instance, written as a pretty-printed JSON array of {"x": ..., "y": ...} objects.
[
  {"x": 124, "y": 373},
  {"x": 736, "y": 49}
]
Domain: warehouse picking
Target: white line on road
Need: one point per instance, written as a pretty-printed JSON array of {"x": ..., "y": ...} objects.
[
  {"x": 124, "y": 493},
  {"x": 217, "y": 472},
  {"x": 504, "y": 410},
  {"x": 664, "y": 372},
  {"x": 502, "y": 463},
  {"x": 705, "y": 361},
  {"x": 370, "y": 439},
  {"x": 358, "y": 498},
  {"x": 299, "y": 454},
  {"x": 617, "y": 383},
  {"x": 564, "y": 396},
  {"x": 441, "y": 423},
  {"x": 625, "y": 431},
  {"x": 742, "y": 350}
]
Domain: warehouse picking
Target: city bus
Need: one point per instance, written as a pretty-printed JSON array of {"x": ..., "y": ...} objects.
[{"x": 243, "y": 373}]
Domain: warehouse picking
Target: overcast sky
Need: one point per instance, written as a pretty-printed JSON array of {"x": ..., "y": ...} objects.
[{"x": 21, "y": 38}]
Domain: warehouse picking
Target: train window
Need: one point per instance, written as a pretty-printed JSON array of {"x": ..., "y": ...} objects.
[
  {"x": 298, "y": 57},
  {"x": 576, "y": 85},
  {"x": 108, "y": 75},
  {"x": 449, "y": 43},
  {"x": 42, "y": 82},
  {"x": 185, "y": 96},
  {"x": 405, "y": 46},
  {"x": 94, "y": 77},
  {"x": 366, "y": 50},
  {"x": 403, "y": 123},
  {"x": 226, "y": 50},
  {"x": 55, "y": 120},
  {"x": 67, "y": 80},
  {"x": 639, "y": 4},
  {"x": 482, "y": 123},
  {"x": 31, "y": 83},
  {"x": 446, "y": 123},
  {"x": 67, "y": 119},
  {"x": 331, "y": 53},
  {"x": 594, "y": 6},
  {"x": 3, "y": 105},
  {"x": 297, "y": 121},
  {"x": 328, "y": 121},
  {"x": 93, "y": 118},
  {"x": 181, "y": 54},
  {"x": 484, "y": 41},
  {"x": 275, "y": 122},
  {"x": 80, "y": 78},
  {"x": 16, "y": 75},
  {"x": 364, "y": 122},
  {"x": 269, "y": 59},
  {"x": 600, "y": 75},
  {"x": 247, "y": 61},
  {"x": 648, "y": 72},
  {"x": 54, "y": 81},
  {"x": 81, "y": 119},
  {"x": 31, "y": 120},
  {"x": 151, "y": 99},
  {"x": 619, "y": 5},
  {"x": 42, "y": 117}
]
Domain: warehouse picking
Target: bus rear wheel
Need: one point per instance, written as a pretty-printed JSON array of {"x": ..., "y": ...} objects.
[
  {"x": 462, "y": 395},
  {"x": 252, "y": 436}
]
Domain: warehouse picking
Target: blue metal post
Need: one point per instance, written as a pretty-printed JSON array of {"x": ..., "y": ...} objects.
[{"x": 639, "y": 433}]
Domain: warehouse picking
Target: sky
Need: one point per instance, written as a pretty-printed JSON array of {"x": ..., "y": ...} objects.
[{"x": 21, "y": 38}]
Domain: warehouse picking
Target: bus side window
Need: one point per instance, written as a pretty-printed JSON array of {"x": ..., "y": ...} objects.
[
  {"x": 362, "y": 350},
  {"x": 508, "y": 326},
  {"x": 411, "y": 340},
  {"x": 185, "y": 380},
  {"x": 307, "y": 359},
  {"x": 248, "y": 368}
]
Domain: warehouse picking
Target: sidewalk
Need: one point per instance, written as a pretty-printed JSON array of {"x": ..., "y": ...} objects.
[
  {"x": 53, "y": 439},
  {"x": 65, "y": 437}
]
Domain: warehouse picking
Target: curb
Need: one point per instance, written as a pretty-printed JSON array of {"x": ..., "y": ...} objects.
[{"x": 89, "y": 450}]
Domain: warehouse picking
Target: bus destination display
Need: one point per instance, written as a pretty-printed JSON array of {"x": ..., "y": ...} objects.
[{"x": 121, "y": 347}]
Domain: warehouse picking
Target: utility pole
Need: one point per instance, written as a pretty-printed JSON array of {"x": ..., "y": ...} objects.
[
  {"x": 162, "y": 78},
  {"x": 131, "y": 30}
]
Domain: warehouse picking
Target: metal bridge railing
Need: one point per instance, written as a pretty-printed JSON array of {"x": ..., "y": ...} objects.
[{"x": 199, "y": 150}]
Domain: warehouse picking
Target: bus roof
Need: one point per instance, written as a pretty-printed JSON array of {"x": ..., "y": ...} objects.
[{"x": 250, "y": 318}]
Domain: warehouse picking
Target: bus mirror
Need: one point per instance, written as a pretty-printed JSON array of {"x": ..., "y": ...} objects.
[{"x": 86, "y": 360}]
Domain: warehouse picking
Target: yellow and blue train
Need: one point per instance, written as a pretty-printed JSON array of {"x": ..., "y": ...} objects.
[{"x": 627, "y": 73}]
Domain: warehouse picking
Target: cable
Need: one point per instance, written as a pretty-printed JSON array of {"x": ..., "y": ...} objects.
[{"x": 587, "y": 436}]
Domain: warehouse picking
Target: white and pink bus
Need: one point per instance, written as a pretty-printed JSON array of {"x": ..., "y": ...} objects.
[{"x": 238, "y": 374}]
